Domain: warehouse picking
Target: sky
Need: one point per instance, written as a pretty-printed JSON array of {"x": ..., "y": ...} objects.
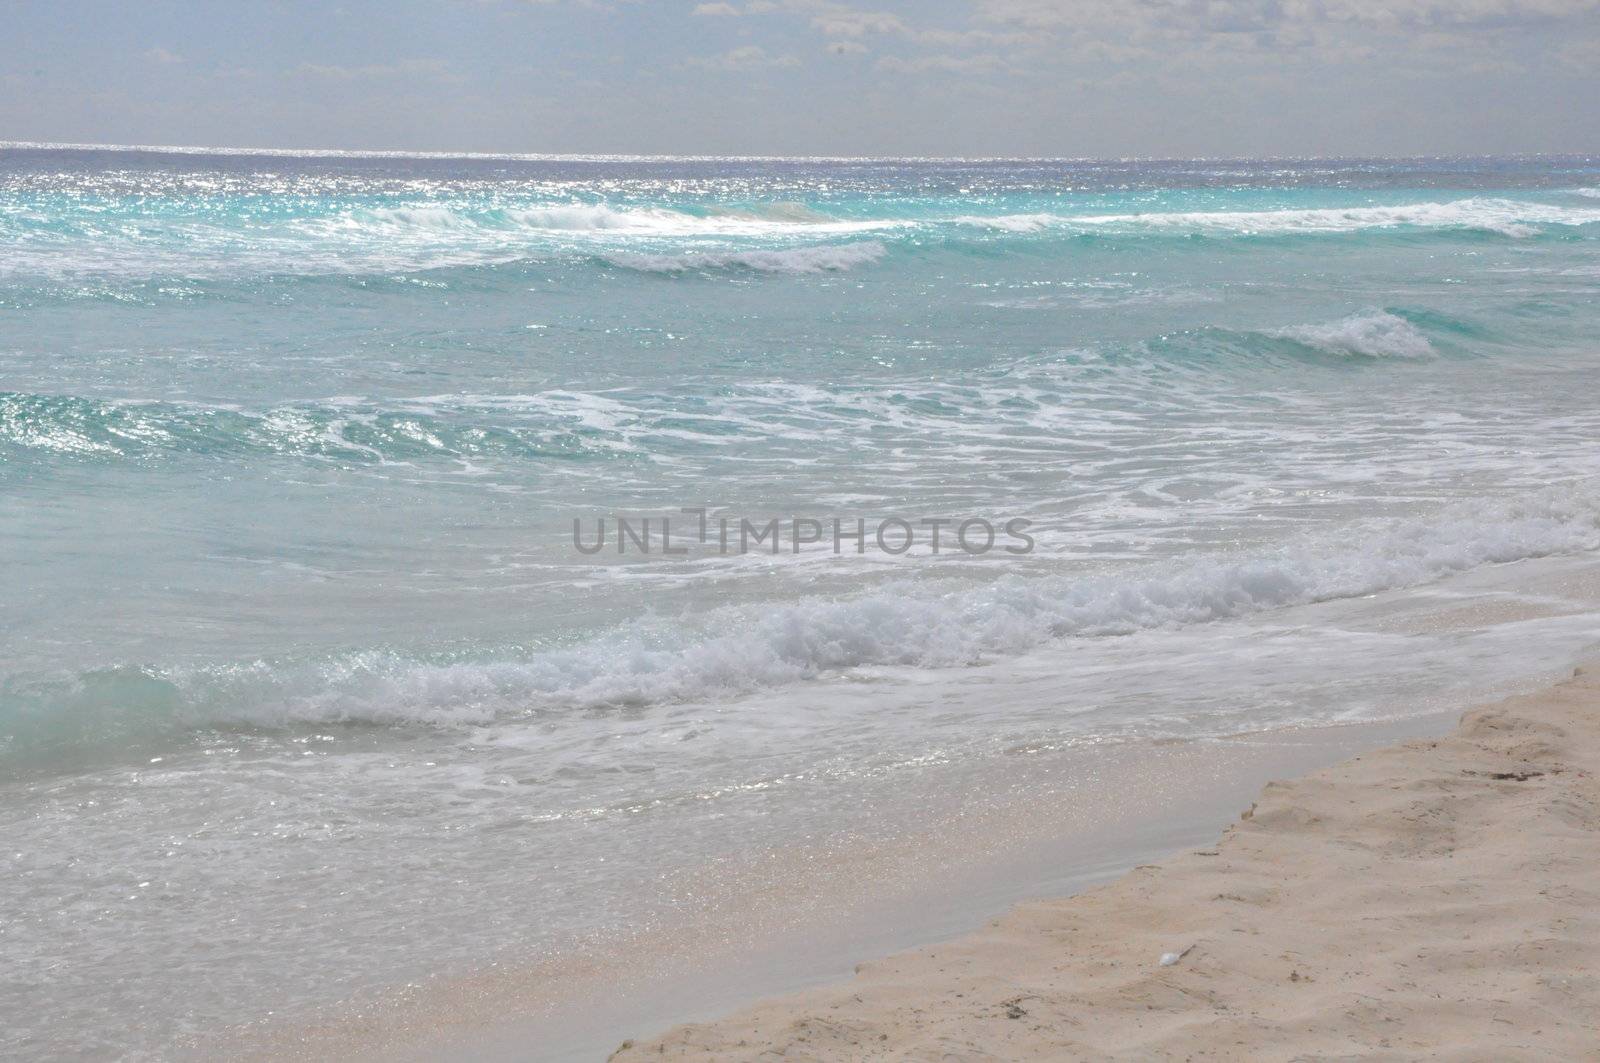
[{"x": 1102, "y": 78}]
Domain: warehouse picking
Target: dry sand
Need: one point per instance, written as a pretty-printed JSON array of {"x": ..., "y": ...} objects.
[{"x": 1438, "y": 898}]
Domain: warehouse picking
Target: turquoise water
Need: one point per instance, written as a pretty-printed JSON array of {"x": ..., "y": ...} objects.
[{"x": 291, "y": 448}]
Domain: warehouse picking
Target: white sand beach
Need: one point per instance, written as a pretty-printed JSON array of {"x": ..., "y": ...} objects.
[{"x": 1433, "y": 899}]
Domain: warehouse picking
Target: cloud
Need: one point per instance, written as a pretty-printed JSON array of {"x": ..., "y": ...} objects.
[
  {"x": 748, "y": 57},
  {"x": 1239, "y": 16},
  {"x": 1439, "y": 37},
  {"x": 971, "y": 38},
  {"x": 1443, "y": 12},
  {"x": 714, "y": 10},
  {"x": 429, "y": 69},
  {"x": 846, "y": 47},
  {"x": 1582, "y": 56},
  {"x": 838, "y": 21},
  {"x": 949, "y": 64},
  {"x": 846, "y": 23},
  {"x": 162, "y": 56}
]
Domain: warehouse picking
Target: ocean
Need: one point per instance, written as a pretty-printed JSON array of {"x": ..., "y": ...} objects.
[{"x": 311, "y": 685}]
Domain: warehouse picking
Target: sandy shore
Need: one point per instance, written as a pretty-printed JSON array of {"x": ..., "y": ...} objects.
[
  {"x": 1440, "y": 897},
  {"x": 1029, "y": 824}
]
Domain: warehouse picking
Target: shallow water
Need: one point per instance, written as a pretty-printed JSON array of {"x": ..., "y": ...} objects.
[{"x": 297, "y": 647}]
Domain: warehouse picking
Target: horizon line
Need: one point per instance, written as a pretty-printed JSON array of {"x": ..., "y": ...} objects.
[{"x": 406, "y": 153}]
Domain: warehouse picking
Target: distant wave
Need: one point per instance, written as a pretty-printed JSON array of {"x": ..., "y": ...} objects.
[
  {"x": 555, "y": 425},
  {"x": 738, "y": 652},
  {"x": 575, "y": 425},
  {"x": 1502, "y": 216},
  {"x": 606, "y": 219},
  {"x": 819, "y": 259},
  {"x": 565, "y": 217},
  {"x": 404, "y": 238},
  {"x": 581, "y": 216},
  {"x": 792, "y": 213},
  {"x": 1015, "y": 223},
  {"x": 1378, "y": 334},
  {"x": 66, "y": 245}
]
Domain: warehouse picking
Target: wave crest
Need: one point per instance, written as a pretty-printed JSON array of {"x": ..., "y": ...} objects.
[
  {"x": 1378, "y": 334},
  {"x": 603, "y": 219},
  {"x": 737, "y": 651},
  {"x": 821, "y": 258},
  {"x": 1500, "y": 216}
]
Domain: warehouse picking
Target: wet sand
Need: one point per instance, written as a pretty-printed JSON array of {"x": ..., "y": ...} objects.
[{"x": 1435, "y": 898}]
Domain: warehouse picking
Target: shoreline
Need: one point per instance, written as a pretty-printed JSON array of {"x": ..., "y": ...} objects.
[
  {"x": 960, "y": 844},
  {"x": 1075, "y": 820},
  {"x": 1427, "y": 897}
]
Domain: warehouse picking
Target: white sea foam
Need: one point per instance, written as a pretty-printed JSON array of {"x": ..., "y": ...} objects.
[
  {"x": 1378, "y": 334},
  {"x": 437, "y": 219},
  {"x": 437, "y": 234},
  {"x": 564, "y": 217},
  {"x": 601, "y": 219},
  {"x": 819, "y": 258},
  {"x": 584, "y": 217},
  {"x": 1013, "y": 223},
  {"x": 1504, "y": 216},
  {"x": 738, "y": 650}
]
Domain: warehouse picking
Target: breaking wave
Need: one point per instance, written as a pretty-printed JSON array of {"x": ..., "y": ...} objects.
[
  {"x": 823, "y": 258},
  {"x": 1379, "y": 334},
  {"x": 125, "y": 239},
  {"x": 576, "y": 219},
  {"x": 554, "y": 425},
  {"x": 1504, "y": 217},
  {"x": 1015, "y": 223},
  {"x": 733, "y": 651}
]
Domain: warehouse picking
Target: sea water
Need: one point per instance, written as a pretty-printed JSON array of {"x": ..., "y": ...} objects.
[{"x": 307, "y": 690}]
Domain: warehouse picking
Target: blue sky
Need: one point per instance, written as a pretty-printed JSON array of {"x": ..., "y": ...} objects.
[{"x": 948, "y": 77}]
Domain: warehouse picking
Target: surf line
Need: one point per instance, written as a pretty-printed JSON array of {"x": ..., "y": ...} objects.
[{"x": 893, "y": 535}]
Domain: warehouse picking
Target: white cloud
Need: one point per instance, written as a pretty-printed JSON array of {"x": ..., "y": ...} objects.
[
  {"x": 1582, "y": 56},
  {"x": 714, "y": 10},
  {"x": 949, "y": 64},
  {"x": 747, "y": 57},
  {"x": 1434, "y": 12},
  {"x": 163, "y": 56},
  {"x": 1250, "y": 15},
  {"x": 971, "y": 38},
  {"x": 840, "y": 22},
  {"x": 847, "y": 23},
  {"x": 430, "y": 69}
]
